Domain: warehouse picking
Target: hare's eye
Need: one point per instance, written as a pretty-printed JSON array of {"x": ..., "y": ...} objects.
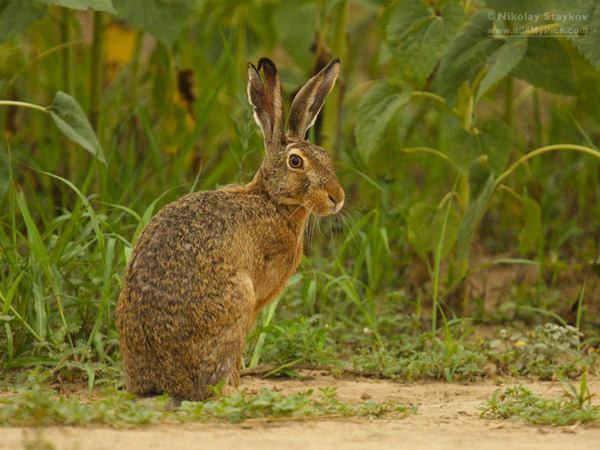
[{"x": 295, "y": 162}]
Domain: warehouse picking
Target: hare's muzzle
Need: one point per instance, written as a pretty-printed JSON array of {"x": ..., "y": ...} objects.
[{"x": 336, "y": 200}]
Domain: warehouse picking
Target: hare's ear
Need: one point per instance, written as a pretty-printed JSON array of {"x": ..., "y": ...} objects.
[
  {"x": 266, "y": 99},
  {"x": 309, "y": 100}
]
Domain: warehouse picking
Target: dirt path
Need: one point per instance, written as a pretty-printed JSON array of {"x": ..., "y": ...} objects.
[{"x": 448, "y": 417}]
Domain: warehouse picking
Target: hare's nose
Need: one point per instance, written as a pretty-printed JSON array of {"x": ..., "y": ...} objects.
[{"x": 337, "y": 200}]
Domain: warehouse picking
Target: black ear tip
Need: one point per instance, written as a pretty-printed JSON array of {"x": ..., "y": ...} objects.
[
  {"x": 333, "y": 66},
  {"x": 267, "y": 63}
]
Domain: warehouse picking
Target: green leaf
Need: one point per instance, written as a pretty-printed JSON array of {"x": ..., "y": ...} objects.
[
  {"x": 464, "y": 148},
  {"x": 375, "y": 111},
  {"x": 424, "y": 228},
  {"x": 582, "y": 15},
  {"x": 164, "y": 19},
  {"x": 16, "y": 16},
  {"x": 461, "y": 147},
  {"x": 466, "y": 54},
  {"x": 419, "y": 34},
  {"x": 72, "y": 121},
  {"x": 496, "y": 142},
  {"x": 546, "y": 65},
  {"x": 96, "y": 5},
  {"x": 36, "y": 243},
  {"x": 501, "y": 62},
  {"x": 472, "y": 217},
  {"x": 532, "y": 224}
]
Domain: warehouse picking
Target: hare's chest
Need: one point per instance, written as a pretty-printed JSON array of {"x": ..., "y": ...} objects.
[{"x": 277, "y": 267}]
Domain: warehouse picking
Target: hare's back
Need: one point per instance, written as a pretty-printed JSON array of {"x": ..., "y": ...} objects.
[{"x": 187, "y": 247}]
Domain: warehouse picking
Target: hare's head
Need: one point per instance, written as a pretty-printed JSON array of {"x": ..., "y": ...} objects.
[{"x": 294, "y": 172}]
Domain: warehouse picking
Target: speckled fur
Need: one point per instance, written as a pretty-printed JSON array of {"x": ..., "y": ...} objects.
[{"x": 207, "y": 263}]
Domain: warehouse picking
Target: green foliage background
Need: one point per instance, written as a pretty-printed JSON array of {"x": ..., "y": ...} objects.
[{"x": 436, "y": 125}]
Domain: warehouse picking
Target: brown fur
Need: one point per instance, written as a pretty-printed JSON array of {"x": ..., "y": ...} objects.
[{"x": 207, "y": 263}]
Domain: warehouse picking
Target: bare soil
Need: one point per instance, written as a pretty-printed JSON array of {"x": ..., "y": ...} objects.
[{"x": 448, "y": 417}]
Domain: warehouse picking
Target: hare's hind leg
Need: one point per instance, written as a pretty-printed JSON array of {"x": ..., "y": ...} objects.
[
  {"x": 140, "y": 377},
  {"x": 214, "y": 353}
]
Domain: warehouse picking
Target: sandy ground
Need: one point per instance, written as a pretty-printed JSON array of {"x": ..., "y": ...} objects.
[{"x": 448, "y": 417}]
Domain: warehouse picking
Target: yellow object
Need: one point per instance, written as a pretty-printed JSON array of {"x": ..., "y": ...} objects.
[{"x": 119, "y": 47}]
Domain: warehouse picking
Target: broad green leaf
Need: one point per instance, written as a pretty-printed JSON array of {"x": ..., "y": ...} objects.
[
  {"x": 72, "y": 121},
  {"x": 16, "y": 16},
  {"x": 466, "y": 54},
  {"x": 461, "y": 147},
  {"x": 496, "y": 142},
  {"x": 375, "y": 111},
  {"x": 546, "y": 65},
  {"x": 501, "y": 62},
  {"x": 4, "y": 174},
  {"x": 425, "y": 225},
  {"x": 418, "y": 34},
  {"x": 532, "y": 224},
  {"x": 96, "y": 5},
  {"x": 582, "y": 15},
  {"x": 164, "y": 19}
]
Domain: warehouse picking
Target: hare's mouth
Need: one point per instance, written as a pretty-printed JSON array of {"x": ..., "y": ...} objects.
[{"x": 328, "y": 208}]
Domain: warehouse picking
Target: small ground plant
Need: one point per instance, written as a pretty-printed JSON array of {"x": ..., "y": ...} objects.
[
  {"x": 40, "y": 406},
  {"x": 575, "y": 407}
]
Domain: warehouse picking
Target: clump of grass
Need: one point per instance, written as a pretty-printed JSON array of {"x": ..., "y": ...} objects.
[
  {"x": 547, "y": 351},
  {"x": 296, "y": 342},
  {"x": 270, "y": 404},
  {"x": 416, "y": 355},
  {"x": 520, "y": 403},
  {"x": 41, "y": 406}
]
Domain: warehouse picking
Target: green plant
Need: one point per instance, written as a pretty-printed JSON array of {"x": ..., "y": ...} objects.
[
  {"x": 295, "y": 342},
  {"x": 520, "y": 403},
  {"x": 39, "y": 406},
  {"x": 547, "y": 351},
  {"x": 473, "y": 58},
  {"x": 432, "y": 128},
  {"x": 70, "y": 119}
]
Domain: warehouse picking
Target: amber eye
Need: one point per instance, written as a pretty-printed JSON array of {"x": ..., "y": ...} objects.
[{"x": 295, "y": 162}]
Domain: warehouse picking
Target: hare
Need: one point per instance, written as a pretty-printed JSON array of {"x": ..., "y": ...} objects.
[{"x": 206, "y": 264}]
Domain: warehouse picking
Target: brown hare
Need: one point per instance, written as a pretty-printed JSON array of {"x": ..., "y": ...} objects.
[{"x": 206, "y": 264}]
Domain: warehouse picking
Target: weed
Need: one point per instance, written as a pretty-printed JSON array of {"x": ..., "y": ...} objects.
[
  {"x": 520, "y": 403},
  {"x": 302, "y": 340},
  {"x": 548, "y": 351}
]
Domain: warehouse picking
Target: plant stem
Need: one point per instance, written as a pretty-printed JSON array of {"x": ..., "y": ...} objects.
[
  {"x": 24, "y": 105},
  {"x": 437, "y": 261},
  {"x": 96, "y": 68},
  {"x": 428, "y": 150},
  {"x": 67, "y": 53},
  {"x": 542, "y": 150}
]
